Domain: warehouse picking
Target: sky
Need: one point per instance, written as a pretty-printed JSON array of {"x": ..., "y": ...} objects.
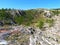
[{"x": 29, "y": 4}]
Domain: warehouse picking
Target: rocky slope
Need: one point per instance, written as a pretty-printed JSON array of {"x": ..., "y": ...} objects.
[
  {"x": 51, "y": 36},
  {"x": 45, "y": 34},
  {"x": 25, "y": 35}
]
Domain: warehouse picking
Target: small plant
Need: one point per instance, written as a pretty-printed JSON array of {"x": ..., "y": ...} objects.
[
  {"x": 50, "y": 21},
  {"x": 19, "y": 20},
  {"x": 28, "y": 23},
  {"x": 41, "y": 23}
]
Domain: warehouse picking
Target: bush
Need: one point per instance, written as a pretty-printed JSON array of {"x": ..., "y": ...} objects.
[
  {"x": 50, "y": 21},
  {"x": 28, "y": 23},
  {"x": 41, "y": 23},
  {"x": 19, "y": 20}
]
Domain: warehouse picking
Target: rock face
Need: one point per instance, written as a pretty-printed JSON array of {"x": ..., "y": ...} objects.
[{"x": 47, "y": 13}]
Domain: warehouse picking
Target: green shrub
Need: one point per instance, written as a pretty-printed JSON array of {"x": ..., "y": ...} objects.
[
  {"x": 19, "y": 20},
  {"x": 28, "y": 24},
  {"x": 41, "y": 23},
  {"x": 50, "y": 21}
]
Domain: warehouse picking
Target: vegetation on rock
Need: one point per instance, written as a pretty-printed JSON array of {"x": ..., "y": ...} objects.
[{"x": 25, "y": 17}]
